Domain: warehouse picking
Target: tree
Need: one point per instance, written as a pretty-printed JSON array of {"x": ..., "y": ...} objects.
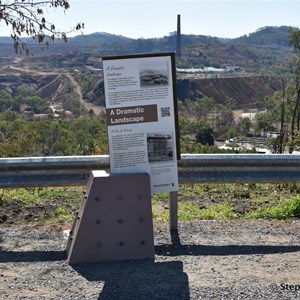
[
  {"x": 204, "y": 106},
  {"x": 264, "y": 121},
  {"x": 281, "y": 140},
  {"x": 205, "y": 136},
  {"x": 260, "y": 101},
  {"x": 294, "y": 40},
  {"x": 225, "y": 116},
  {"x": 6, "y": 101},
  {"x": 27, "y": 17},
  {"x": 243, "y": 126}
]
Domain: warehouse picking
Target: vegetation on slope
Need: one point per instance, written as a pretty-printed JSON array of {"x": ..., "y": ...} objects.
[{"x": 196, "y": 202}]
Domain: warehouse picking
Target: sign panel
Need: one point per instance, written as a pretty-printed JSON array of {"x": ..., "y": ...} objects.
[{"x": 141, "y": 117}]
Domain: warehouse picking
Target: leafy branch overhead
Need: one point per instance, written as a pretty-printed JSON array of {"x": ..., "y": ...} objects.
[{"x": 27, "y": 17}]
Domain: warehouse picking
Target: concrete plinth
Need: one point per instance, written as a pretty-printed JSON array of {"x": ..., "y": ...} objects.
[{"x": 114, "y": 221}]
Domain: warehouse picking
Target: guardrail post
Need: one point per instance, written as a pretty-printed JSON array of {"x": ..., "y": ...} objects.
[{"x": 173, "y": 210}]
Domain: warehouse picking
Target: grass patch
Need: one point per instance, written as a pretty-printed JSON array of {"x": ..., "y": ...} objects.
[
  {"x": 188, "y": 211},
  {"x": 191, "y": 211},
  {"x": 285, "y": 209},
  {"x": 42, "y": 205},
  {"x": 195, "y": 201}
]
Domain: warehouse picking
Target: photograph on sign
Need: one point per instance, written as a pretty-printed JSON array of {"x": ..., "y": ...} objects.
[
  {"x": 153, "y": 74},
  {"x": 160, "y": 147},
  {"x": 141, "y": 117}
]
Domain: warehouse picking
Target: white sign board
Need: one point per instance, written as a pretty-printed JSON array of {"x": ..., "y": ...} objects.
[{"x": 141, "y": 114}]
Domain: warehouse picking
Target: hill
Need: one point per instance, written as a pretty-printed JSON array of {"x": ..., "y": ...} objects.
[
  {"x": 242, "y": 89},
  {"x": 74, "y": 69},
  {"x": 267, "y": 36},
  {"x": 267, "y": 48}
]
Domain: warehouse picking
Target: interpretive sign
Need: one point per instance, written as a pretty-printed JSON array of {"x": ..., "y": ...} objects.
[{"x": 141, "y": 116}]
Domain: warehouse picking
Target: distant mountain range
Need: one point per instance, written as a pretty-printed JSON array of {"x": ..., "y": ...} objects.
[{"x": 266, "y": 47}]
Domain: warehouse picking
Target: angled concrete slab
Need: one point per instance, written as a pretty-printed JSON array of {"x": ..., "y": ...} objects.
[{"x": 114, "y": 221}]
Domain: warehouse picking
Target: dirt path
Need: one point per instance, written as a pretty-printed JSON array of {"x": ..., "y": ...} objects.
[
  {"x": 88, "y": 106},
  {"x": 204, "y": 260}
]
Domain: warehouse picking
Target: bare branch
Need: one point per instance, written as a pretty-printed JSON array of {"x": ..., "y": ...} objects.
[{"x": 26, "y": 17}]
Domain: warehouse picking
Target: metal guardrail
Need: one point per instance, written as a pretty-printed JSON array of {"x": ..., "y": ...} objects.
[
  {"x": 192, "y": 168},
  {"x": 229, "y": 168},
  {"x": 49, "y": 171}
]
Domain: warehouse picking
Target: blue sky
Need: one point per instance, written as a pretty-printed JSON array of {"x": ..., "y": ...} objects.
[{"x": 149, "y": 19}]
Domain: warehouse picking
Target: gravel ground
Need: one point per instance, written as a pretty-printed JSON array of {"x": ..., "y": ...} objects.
[{"x": 203, "y": 260}]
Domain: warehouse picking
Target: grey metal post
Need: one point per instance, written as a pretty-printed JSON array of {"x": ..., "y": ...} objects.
[{"x": 173, "y": 210}]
